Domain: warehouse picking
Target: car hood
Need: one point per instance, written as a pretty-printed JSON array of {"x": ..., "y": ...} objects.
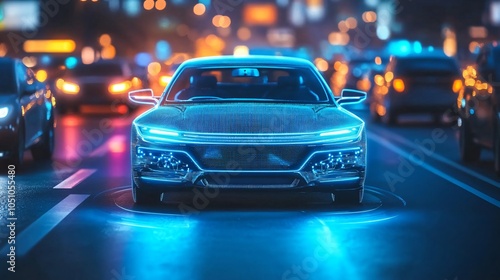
[{"x": 248, "y": 118}]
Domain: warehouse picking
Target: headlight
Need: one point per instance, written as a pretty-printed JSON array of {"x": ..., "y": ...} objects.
[
  {"x": 67, "y": 87},
  {"x": 4, "y": 111},
  {"x": 119, "y": 88},
  {"x": 343, "y": 134},
  {"x": 158, "y": 134}
]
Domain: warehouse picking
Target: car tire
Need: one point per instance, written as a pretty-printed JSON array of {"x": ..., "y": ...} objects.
[
  {"x": 144, "y": 197},
  {"x": 469, "y": 150},
  {"x": 496, "y": 150},
  {"x": 45, "y": 149},
  {"x": 350, "y": 197}
]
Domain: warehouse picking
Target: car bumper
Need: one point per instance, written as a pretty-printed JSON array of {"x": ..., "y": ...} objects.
[
  {"x": 305, "y": 177},
  {"x": 422, "y": 100}
]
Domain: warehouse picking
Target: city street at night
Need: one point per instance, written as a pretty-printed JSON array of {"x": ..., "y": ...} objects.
[
  {"x": 424, "y": 216},
  {"x": 249, "y": 139}
]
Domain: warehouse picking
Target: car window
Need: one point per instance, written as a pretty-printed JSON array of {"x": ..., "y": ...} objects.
[
  {"x": 427, "y": 67},
  {"x": 262, "y": 84},
  {"x": 7, "y": 78}
]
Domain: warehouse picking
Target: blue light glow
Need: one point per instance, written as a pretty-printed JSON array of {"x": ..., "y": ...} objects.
[
  {"x": 337, "y": 132},
  {"x": 45, "y": 60},
  {"x": 143, "y": 59},
  {"x": 417, "y": 47},
  {"x": 163, "y": 50},
  {"x": 71, "y": 62},
  {"x": 163, "y": 132},
  {"x": 4, "y": 112}
]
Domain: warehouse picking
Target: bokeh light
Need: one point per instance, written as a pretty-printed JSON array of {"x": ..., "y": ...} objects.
[{"x": 199, "y": 9}]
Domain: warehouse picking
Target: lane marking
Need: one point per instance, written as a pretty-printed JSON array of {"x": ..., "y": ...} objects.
[
  {"x": 444, "y": 160},
  {"x": 436, "y": 171},
  {"x": 35, "y": 232},
  {"x": 75, "y": 179}
]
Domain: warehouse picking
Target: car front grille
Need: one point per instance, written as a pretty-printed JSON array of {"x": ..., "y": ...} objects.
[
  {"x": 249, "y": 157},
  {"x": 94, "y": 89}
]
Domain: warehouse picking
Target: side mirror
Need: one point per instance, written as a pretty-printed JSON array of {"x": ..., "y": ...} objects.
[
  {"x": 143, "y": 96},
  {"x": 351, "y": 96}
]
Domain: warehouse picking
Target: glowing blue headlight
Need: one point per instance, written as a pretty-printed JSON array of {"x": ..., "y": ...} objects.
[
  {"x": 348, "y": 133},
  {"x": 4, "y": 111},
  {"x": 158, "y": 134}
]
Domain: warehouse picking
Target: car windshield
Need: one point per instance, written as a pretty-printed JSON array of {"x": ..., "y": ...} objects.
[
  {"x": 255, "y": 84},
  {"x": 436, "y": 67},
  {"x": 7, "y": 79},
  {"x": 98, "y": 69}
]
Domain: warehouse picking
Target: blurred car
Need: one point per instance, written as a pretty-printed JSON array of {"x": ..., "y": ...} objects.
[
  {"x": 415, "y": 84},
  {"x": 254, "y": 123},
  {"x": 478, "y": 106},
  {"x": 105, "y": 82},
  {"x": 26, "y": 114}
]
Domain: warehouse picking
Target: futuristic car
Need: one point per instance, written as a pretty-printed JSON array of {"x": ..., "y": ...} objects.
[
  {"x": 417, "y": 83},
  {"x": 478, "y": 106},
  {"x": 105, "y": 82},
  {"x": 248, "y": 123},
  {"x": 26, "y": 114}
]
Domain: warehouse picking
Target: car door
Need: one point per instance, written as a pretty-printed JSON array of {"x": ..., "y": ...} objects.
[{"x": 30, "y": 101}]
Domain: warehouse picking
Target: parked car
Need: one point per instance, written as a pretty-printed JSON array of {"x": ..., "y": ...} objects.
[
  {"x": 26, "y": 114},
  {"x": 478, "y": 107},
  {"x": 105, "y": 82},
  {"x": 417, "y": 83},
  {"x": 248, "y": 123}
]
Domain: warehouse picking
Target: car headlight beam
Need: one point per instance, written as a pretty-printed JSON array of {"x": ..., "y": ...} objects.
[{"x": 344, "y": 134}]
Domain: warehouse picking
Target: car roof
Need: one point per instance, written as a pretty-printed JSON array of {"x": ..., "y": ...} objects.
[{"x": 251, "y": 60}]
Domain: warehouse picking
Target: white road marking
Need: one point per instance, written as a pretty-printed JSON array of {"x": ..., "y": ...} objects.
[
  {"x": 436, "y": 171},
  {"x": 445, "y": 160},
  {"x": 35, "y": 232},
  {"x": 75, "y": 179}
]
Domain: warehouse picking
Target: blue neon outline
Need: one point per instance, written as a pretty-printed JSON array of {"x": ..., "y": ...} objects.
[{"x": 253, "y": 138}]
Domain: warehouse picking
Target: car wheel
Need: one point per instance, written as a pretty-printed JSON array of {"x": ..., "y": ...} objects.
[
  {"x": 469, "y": 150},
  {"x": 143, "y": 197},
  {"x": 497, "y": 150},
  {"x": 44, "y": 149},
  {"x": 352, "y": 197}
]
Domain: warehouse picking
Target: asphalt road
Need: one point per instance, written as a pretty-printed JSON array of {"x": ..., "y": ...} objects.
[{"x": 425, "y": 216}]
